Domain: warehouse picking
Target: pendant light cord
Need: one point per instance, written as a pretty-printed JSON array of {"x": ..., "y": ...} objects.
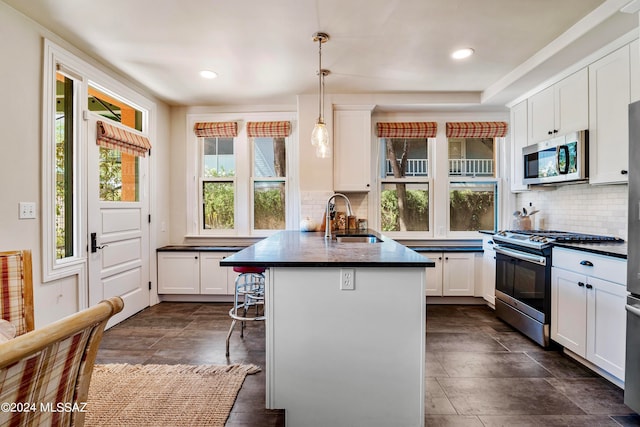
[{"x": 320, "y": 83}]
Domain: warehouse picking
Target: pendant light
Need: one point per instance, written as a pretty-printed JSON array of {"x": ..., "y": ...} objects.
[{"x": 320, "y": 134}]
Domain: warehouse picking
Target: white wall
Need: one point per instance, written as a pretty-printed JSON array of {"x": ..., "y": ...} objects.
[{"x": 21, "y": 42}]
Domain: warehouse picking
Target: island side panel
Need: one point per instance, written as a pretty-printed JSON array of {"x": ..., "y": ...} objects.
[{"x": 346, "y": 357}]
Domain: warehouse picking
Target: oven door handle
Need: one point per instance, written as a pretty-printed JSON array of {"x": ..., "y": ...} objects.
[{"x": 540, "y": 260}]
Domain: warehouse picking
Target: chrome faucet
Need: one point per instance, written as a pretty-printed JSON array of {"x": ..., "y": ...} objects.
[{"x": 327, "y": 227}]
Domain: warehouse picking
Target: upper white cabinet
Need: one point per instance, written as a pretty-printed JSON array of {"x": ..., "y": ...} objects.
[
  {"x": 610, "y": 94},
  {"x": 519, "y": 137},
  {"x": 352, "y": 150},
  {"x": 559, "y": 109}
]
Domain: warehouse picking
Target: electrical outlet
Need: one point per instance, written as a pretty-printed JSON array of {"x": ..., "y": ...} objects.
[
  {"x": 27, "y": 210},
  {"x": 347, "y": 279}
]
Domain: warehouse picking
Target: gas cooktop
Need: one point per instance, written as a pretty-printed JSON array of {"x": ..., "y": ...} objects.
[{"x": 539, "y": 239}]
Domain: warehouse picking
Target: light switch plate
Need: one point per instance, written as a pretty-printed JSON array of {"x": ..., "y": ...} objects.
[{"x": 27, "y": 210}]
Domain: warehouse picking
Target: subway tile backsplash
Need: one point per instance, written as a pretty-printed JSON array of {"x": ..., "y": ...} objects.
[
  {"x": 313, "y": 204},
  {"x": 581, "y": 208}
]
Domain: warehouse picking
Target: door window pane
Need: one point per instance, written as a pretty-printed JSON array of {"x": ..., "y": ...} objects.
[
  {"x": 218, "y": 158},
  {"x": 472, "y": 206},
  {"x": 119, "y": 176},
  {"x": 404, "y": 207},
  {"x": 471, "y": 157},
  {"x": 269, "y": 205},
  {"x": 218, "y": 205}
]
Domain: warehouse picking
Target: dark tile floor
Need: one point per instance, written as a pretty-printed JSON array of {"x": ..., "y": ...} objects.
[{"x": 479, "y": 371}]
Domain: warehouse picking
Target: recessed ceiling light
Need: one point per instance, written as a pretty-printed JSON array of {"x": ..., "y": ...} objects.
[
  {"x": 207, "y": 74},
  {"x": 462, "y": 53}
]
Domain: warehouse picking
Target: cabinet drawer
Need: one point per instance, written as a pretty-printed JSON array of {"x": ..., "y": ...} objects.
[{"x": 590, "y": 264}]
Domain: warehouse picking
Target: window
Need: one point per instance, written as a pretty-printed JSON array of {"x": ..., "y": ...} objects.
[
  {"x": 269, "y": 183},
  {"x": 244, "y": 174},
  {"x": 404, "y": 192},
  {"x": 472, "y": 206},
  {"x": 65, "y": 91},
  {"x": 218, "y": 183},
  {"x": 473, "y": 187}
]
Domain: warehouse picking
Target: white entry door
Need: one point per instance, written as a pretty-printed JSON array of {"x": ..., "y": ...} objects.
[{"x": 118, "y": 225}]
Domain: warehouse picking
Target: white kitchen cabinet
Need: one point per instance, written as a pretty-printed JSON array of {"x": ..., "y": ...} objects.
[
  {"x": 609, "y": 97},
  {"x": 519, "y": 138},
  {"x": 559, "y": 109},
  {"x": 588, "y": 296},
  {"x": 352, "y": 150},
  {"x": 215, "y": 279},
  {"x": 194, "y": 273},
  {"x": 489, "y": 270},
  {"x": 453, "y": 274}
]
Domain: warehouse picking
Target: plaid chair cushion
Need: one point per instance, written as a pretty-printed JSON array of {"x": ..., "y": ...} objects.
[{"x": 16, "y": 303}]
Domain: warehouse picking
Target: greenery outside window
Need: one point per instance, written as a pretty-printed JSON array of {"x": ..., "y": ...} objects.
[
  {"x": 269, "y": 183},
  {"x": 472, "y": 205},
  {"x": 218, "y": 170}
]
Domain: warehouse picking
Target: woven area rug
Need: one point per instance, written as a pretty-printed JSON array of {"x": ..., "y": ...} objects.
[{"x": 163, "y": 395}]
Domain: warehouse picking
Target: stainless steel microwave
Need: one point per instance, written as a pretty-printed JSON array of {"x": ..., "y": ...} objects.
[{"x": 561, "y": 159}]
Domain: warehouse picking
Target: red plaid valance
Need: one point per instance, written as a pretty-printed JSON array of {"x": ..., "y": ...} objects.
[
  {"x": 268, "y": 129},
  {"x": 216, "y": 129},
  {"x": 407, "y": 129},
  {"x": 113, "y": 137},
  {"x": 476, "y": 129}
]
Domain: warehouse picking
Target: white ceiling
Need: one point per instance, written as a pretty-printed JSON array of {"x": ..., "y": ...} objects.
[{"x": 264, "y": 54}]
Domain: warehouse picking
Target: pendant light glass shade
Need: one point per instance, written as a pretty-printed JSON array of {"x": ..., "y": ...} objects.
[{"x": 320, "y": 134}]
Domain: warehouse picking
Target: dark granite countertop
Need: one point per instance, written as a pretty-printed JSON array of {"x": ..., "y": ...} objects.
[
  {"x": 299, "y": 249},
  {"x": 188, "y": 248},
  {"x": 617, "y": 250}
]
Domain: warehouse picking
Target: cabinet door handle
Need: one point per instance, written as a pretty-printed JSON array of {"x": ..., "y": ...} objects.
[
  {"x": 586, "y": 263},
  {"x": 580, "y": 284},
  {"x": 195, "y": 257},
  {"x": 446, "y": 258},
  {"x": 624, "y": 172},
  {"x": 589, "y": 286},
  {"x": 550, "y": 132}
]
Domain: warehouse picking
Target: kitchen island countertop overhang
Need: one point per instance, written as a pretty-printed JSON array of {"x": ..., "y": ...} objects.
[{"x": 301, "y": 249}]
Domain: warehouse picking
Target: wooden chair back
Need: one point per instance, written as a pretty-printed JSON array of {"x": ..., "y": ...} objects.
[
  {"x": 16, "y": 290},
  {"x": 50, "y": 368}
]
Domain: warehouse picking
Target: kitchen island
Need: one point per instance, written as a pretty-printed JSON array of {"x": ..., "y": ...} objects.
[{"x": 345, "y": 329}]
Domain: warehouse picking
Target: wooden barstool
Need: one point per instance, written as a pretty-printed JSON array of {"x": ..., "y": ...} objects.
[{"x": 248, "y": 294}]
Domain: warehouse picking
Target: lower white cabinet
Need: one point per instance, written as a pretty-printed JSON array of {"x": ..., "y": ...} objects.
[
  {"x": 194, "y": 273},
  {"x": 489, "y": 270},
  {"x": 453, "y": 274},
  {"x": 587, "y": 311}
]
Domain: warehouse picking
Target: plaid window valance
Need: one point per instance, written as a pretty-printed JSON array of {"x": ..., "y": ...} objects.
[
  {"x": 268, "y": 129},
  {"x": 407, "y": 129},
  {"x": 115, "y": 138},
  {"x": 476, "y": 129},
  {"x": 216, "y": 129}
]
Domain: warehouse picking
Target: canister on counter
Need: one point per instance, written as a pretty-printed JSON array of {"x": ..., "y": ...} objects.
[
  {"x": 341, "y": 221},
  {"x": 351, "y": 222},
  {"x": 362, "y": 224}
]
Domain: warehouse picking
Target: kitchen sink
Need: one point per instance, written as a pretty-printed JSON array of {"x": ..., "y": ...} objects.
[{"x": 362, "y": 238}]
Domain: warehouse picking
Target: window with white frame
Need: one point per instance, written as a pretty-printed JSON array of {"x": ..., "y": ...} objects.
[
  {"x": 473, "y": 183},
  {"x": 432, "y": 187},
  {"x": 243, "y": 177},
  {"x": 404, "y": 176}
]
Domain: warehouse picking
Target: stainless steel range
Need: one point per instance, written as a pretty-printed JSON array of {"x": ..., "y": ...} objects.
[{"x": 523, "y": 277}]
